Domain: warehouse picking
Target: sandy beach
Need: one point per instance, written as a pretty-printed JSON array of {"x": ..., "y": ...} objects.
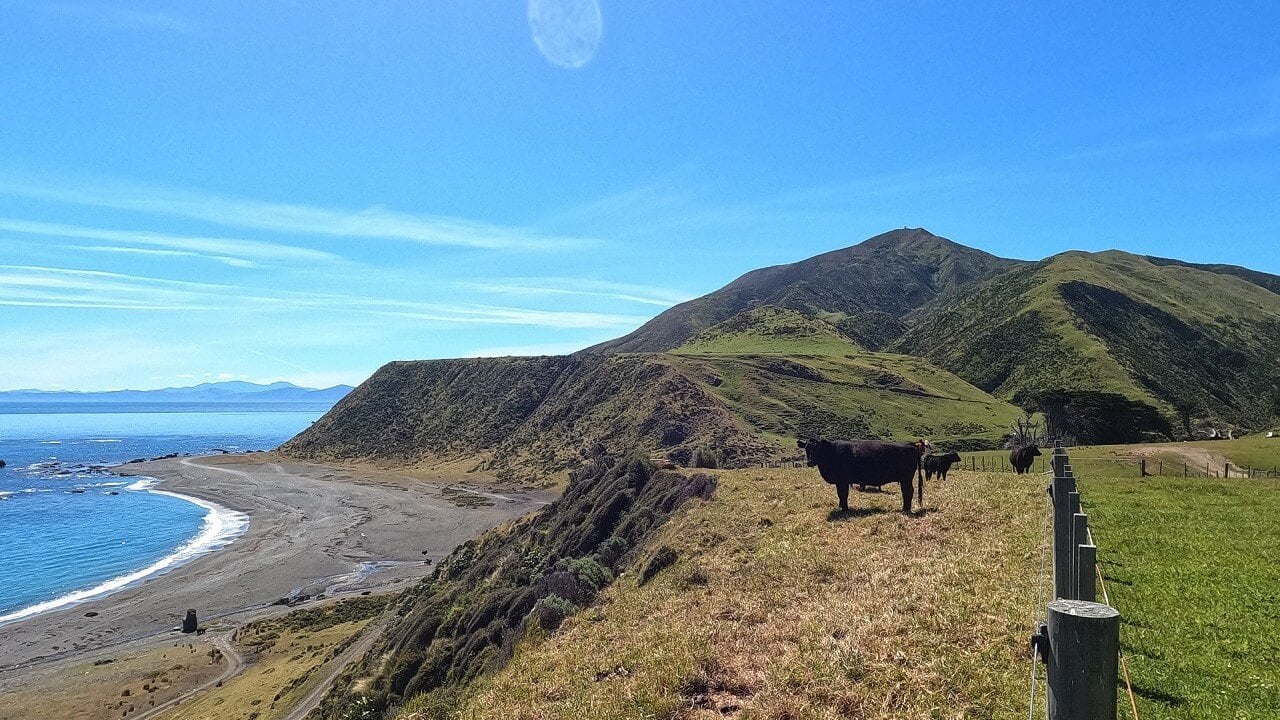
[{"x": 313, "y": 530}]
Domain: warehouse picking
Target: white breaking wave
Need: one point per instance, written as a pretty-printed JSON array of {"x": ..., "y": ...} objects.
[{"x": 221, "y": 526}]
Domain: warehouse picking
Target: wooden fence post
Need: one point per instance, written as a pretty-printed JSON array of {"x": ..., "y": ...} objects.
[
  {"x": 1079, "y": 536},
  {"x": 1083, "y": 660},
  {"x": 1086, "y": 572},
  {"x": 1064, "y": 483}
]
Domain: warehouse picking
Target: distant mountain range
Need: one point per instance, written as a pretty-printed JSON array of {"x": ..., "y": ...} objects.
[{"x": 233, "y": 391}]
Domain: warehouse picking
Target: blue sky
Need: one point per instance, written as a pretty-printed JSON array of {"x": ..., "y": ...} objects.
[{"x": 304, "y": 191}]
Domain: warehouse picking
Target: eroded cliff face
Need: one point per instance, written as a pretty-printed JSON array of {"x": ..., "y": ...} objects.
[
  {"x": 527, "y": 417},
  {"x": 467, "y": 618}
]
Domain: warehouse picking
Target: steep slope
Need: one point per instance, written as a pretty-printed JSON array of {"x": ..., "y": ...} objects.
[
  {"x": 1173, "y": 336},
  {"x": 531, "y": 417},
  {"x": 788, "y": 375},
  {"x": 774, "y": 608},
  {"x": 512, "y": 582},
  {"x": 865, "y": 290}
]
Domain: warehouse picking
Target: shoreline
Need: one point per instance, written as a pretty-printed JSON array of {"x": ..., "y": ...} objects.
[
  {"x": 314, "y": 531},
  {"x": 219, "y": 528}
]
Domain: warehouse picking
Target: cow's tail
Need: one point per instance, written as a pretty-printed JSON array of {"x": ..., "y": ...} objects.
[{"x": 920, "y": 484}]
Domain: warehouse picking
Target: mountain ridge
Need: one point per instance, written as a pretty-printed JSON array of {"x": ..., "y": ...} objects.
[
  {"x": 228, "y": 391},
  {"x": 896, "y": 272}
]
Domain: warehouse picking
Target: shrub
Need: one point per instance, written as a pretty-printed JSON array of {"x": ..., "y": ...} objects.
[
  {"x": 705, "y": 457},
  {"x": 551, "y": 611},
  {"x": 590, "y": 572}
]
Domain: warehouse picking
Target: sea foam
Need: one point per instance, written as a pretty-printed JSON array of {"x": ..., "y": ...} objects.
[{"x": 221, "y": 526}]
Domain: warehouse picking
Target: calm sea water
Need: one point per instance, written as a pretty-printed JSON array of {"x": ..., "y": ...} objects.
[{"x": 68, "y": 529}]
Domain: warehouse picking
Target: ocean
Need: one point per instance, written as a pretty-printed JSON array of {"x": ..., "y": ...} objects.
[{"x": 69, "y": 531}]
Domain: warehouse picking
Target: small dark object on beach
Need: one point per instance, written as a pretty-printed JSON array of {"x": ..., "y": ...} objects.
[
  {"x": 91, "y": 614},
  {"x": 104, "y": 661},
  {"x": 366, "y": 592},
  {"x": 189, "y": 622}
]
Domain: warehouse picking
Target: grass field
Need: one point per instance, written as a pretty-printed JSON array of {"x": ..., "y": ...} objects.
[
  {"x": 285, "y": 658},
  {"x": 780, "y": 608},
  {"x": 787, "y": 375},
  {"x": 125, "y": 684},
  {"x": 1192, "y": 565},
  {"x": 1255, "y": 454}
]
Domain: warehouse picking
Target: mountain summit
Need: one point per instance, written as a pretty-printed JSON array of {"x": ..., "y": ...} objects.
[{"x": 866, "y": 290}]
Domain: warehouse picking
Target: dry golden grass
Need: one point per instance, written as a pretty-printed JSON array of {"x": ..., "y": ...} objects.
[
  {"x": 283, "y": 664},
  {"x": 88, "y": 691},
  {"x": 778, "y": 609}
]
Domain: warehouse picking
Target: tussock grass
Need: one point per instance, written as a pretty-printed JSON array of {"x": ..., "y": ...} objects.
[
  {"x": 1192, "y": 566},
  {"x": 779, "y": 608}
]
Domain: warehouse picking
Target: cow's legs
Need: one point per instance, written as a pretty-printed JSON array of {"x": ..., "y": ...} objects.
[
  {"x": 920, "y": 492},
  {"x": 842, "y": 491},
  {"x": 906, "y": 494}
]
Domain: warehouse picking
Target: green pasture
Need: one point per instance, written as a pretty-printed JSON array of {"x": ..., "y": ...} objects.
[{"x": 1193, "y": 565}]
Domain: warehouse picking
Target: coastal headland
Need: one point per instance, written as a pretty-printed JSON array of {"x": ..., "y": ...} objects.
[{"x": 315, "y": 532}]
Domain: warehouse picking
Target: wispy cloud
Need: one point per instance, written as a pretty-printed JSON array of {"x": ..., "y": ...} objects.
[
  {"x": 494, "y": 315},
  {"x": 371, "y": 223},
  {"x": 106, "y": 15},
  {"x": 527, "y": 350},
  {"x": 230, "y": 251},
  {"x": 34, "y": 286},
  {"x": 680, "y": 205},
  {"x": 535, "y": 287},
  {"x": 1255, "y": 116}
]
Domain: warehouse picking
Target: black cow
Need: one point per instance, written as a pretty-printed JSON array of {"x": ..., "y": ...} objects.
[
  {"x": 939, "y": 465},
  {"x": 1022, "y": 458},
  {"x": 865, "y": 462}
]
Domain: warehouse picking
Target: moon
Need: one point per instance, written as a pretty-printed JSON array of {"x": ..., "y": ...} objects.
[{"x": 567, "y": 32}]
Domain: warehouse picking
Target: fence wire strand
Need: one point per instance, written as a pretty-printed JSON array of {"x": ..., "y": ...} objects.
[
  {"x": 1035, "y": 612},
  {"x": 1124, "y": 661}
]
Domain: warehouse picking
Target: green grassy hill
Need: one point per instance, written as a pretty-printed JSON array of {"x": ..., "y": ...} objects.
[
  {"x": 1165, "y": 334},
  {"x": 787, "y": 375},
  {"x": 865, "y": 290},
  {"x": 527, "y": 418},
  {"x": 744, "y": 389}
]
